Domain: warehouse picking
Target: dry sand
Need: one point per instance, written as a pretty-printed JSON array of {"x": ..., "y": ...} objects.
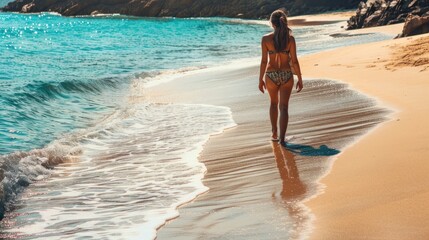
[
  {"x": 379, "y": 187},
  {"x": 319, "y": 19},
  {"x": 376, "y": 189}
]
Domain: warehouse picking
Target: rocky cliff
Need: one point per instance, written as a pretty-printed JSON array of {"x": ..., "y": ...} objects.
[
  {"x": 382, "y": 12},
  {"x": 415, "y": 25},
  {"x": 180, "y": 8}
]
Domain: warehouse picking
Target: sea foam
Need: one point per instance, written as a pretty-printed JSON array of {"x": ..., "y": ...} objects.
[{"x": 141, "y": 160}]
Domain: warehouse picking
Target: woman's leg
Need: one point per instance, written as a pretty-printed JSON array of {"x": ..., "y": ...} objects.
[
  {"x": 273, "y": 91},
  {"x": 285, "y": 91}
]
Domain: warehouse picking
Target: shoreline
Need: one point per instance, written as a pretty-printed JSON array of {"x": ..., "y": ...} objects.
[
  {"x": 219, "y": 166},
  {"x": 320, "y": 19},
  {"x": 323, "y": 211},
  {"x": 245, "y": 152},
  {"x": 377, "y": 212},
  {"x": 367, "y": 100}
]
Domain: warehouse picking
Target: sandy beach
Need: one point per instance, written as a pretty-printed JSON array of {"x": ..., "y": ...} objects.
[
  {"x": 155, "y": 127},
  {"x": 377, "y": 187},
  {"x": 319, "y": 19}
]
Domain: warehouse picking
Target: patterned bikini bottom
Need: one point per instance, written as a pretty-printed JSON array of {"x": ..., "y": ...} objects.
[{"x": 279, "y": 77}]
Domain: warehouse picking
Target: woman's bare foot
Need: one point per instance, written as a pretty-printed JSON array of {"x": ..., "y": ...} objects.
[
  {"x": 274, "y": 137},
  {"x": 286, "y": 140}
]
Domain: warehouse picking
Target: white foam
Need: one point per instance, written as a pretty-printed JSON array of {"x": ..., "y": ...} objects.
[
  {"x": 149, "y": 81},
  {"x": 142, "y": 160},
  {"x": 19, "y": 169}
]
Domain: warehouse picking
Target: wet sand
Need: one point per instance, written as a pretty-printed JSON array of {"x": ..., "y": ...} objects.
[
  {"x": 256, "y": 186},
  {"x": 377, "y": 187}
]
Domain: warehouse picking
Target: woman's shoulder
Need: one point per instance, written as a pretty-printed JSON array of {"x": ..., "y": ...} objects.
[
  {"x": 268, "y": 36},
  {"x": 292, "y": 39}
]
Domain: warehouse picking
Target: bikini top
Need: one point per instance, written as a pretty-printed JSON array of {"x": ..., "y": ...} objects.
[
  {"x": 284, "y": 51},
  {"x": 277, "y": 52}
]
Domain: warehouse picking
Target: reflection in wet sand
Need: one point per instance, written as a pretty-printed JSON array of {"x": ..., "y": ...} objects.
[
  {"x": 293, "y": 189},
  {"x": 252, "y": 195},
  {"x": 292, "y": 186}
]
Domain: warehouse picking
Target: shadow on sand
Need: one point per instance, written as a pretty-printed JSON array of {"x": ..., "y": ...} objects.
[
  {"x": 293, "y": 188},
  {"x": 306, "y": 150}
]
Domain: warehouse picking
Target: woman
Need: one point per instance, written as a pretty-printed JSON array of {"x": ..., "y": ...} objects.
[{"x": 278, "y": 59}]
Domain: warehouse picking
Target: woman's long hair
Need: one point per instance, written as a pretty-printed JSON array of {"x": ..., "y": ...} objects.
[{"x": 278, "y": 20}]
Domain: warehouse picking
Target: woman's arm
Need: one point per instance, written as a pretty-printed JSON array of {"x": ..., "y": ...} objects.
[
  {"x": 295, "y": 63},
  {"x": 263, "y": 67}
]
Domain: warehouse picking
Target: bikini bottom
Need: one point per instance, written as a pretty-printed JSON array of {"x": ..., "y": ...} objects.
[{"x": 279, "y": 77}]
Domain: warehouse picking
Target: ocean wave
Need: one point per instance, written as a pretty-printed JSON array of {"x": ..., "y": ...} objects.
[
  {"x": 145, "y": 154},
  {"x": 41, "y": 92},
  {"x": 153, "y": 78},
  {"x": 45, "y": 91},
  {"x": 19, "y": 169}
]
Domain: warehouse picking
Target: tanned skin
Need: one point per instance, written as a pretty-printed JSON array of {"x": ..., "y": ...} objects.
[{"x": 279, "y": 95}]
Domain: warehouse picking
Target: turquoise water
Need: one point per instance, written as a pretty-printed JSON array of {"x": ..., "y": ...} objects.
[
  {"x": 58, "y": 74},
  {"x": 69, "y": 92}
]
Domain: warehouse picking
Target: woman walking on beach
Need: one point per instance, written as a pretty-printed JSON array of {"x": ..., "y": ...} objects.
[{"x": 278, "y": 60}]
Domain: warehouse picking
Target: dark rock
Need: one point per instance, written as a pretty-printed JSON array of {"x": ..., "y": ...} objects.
[
  {"x": 2, "y": 210},
  {"x": 372, "y": 20},
  {"x": 23, "y": 182},
  {"x": 179, "y": 8},
  {"x": 383, "y": 12},
  {"x": 415, "y": 25}
]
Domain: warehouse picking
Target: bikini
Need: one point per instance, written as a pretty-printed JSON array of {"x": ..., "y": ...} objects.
[{"x": 279, "y": 77}]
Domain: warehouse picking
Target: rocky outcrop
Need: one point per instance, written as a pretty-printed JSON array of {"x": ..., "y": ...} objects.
[
  {"x": 415, "y": 25},
  {"x": 383, "y": 12},
  {"x": 179, "y": 8}
]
